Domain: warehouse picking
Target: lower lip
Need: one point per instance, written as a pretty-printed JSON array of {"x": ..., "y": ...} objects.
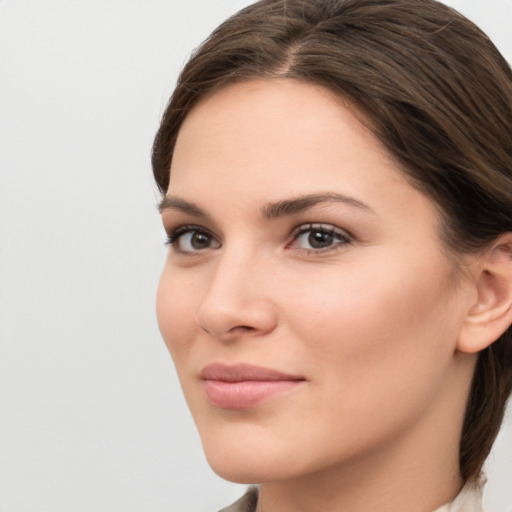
[{"x": 245, "y": 394}]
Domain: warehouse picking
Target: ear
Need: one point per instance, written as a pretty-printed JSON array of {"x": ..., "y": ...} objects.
[{"x": 490, "y": 314}]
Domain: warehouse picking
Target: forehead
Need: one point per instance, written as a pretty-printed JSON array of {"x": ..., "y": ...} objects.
[{"x": 280, "y": 129}]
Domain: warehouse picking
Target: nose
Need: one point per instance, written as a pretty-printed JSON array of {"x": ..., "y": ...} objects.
[{"x": 238, "y": 300}]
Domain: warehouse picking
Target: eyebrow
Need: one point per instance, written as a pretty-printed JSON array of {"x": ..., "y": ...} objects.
[
  {"x": 301, "y": 203},
  {"x": 271, "y": 210},
  {"x": 176, "y": 203}
]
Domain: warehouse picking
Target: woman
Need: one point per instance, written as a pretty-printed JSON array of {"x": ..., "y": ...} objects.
[{"x": 337, "y": 299}]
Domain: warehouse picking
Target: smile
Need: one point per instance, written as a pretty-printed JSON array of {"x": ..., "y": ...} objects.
[{"x": 243, "y": 386}]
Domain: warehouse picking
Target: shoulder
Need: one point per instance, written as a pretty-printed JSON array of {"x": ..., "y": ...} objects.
[{"x": 247, "y": 503}]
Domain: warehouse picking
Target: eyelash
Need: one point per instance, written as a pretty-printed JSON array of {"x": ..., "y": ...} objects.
[
  {"x": 174, "y": 237},
  {"x": 343, "y": 238},
  {"x": 340, "y": 237}
]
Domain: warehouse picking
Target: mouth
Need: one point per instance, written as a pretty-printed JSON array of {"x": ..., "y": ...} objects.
[{"x": 243, "y": 386}]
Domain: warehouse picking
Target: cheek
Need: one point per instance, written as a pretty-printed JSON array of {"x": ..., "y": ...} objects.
[
  {"x": 378, "y": 351},
  {"x": 175, "y": 310},
  {"x": 375, "y": 327}
]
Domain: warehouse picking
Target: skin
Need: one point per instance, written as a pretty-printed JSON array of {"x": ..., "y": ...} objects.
[{"x": 370, "y": 322}]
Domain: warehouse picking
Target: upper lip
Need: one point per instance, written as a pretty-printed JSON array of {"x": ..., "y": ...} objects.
[{"x": 244, "y": 372}]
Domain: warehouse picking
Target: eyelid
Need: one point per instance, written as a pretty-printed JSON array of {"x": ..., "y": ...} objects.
[
  {"x": 174, "y": 235},
  {"x": 344, "y": 237},
  {"x": 323, "y": 226}
]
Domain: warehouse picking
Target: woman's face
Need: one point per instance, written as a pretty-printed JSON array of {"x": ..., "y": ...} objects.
[{"x": 307, "y": 302}]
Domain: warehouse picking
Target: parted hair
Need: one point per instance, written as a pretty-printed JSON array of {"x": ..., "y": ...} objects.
[{"x": 435, "y": 91}]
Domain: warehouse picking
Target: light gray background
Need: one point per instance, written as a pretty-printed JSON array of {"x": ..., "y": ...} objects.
[{"x": 91, "y": 415}]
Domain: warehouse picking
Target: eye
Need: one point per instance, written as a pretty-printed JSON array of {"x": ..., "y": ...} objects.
[
  {"x": 318, "y": 237},
  {"x": 192, "y": 239}
]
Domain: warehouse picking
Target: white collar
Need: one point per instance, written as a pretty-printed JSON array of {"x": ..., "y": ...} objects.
[{"x": 469, "y": 500}]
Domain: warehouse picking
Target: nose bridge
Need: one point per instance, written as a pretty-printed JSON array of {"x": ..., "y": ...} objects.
[{"x": 237, "y": 297}]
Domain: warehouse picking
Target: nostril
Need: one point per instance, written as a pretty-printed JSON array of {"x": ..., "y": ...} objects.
[
  {"x": 229, "y": 319},
  {"x": 203, "y": 328},
  {"x": 233, "y": 330},
  {"x": 244, "y": 328}
]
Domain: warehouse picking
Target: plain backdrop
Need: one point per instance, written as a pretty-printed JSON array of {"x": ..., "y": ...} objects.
[{"x": 91, "y": 414}]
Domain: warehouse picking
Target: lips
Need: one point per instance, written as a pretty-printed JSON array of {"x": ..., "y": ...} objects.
[{"x": 242, "y": 386}]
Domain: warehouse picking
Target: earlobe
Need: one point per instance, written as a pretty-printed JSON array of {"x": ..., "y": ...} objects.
[{"x": 491, "y": 313}]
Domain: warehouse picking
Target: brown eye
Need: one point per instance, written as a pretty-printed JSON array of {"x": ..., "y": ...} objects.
[
  {"x": 319, "y": 237},
  {"x": 200, "y": 240},
  {"x": 192, "y": 240}
]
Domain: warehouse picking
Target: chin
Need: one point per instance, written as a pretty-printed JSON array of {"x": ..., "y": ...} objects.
[
  {"x": 239, "y": 473},
  {"x": 253, "y": 470},
  {"x": 237, "y": 463},
  {"x": 247, "y": 459}
]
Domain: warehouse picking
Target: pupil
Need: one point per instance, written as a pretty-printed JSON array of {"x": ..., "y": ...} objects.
[
  {"x": 320, "y": 239},
  {"x": 200, "y": 240}
]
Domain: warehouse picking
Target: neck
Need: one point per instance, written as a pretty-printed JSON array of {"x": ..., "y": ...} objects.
[{"x": 400, "y": 486}]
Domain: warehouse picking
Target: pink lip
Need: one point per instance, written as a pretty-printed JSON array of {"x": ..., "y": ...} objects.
[{"x": 243, "y": 385}]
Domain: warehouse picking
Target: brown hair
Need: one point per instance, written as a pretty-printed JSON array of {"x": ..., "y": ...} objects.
[{"x": 435, "y": 91}]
